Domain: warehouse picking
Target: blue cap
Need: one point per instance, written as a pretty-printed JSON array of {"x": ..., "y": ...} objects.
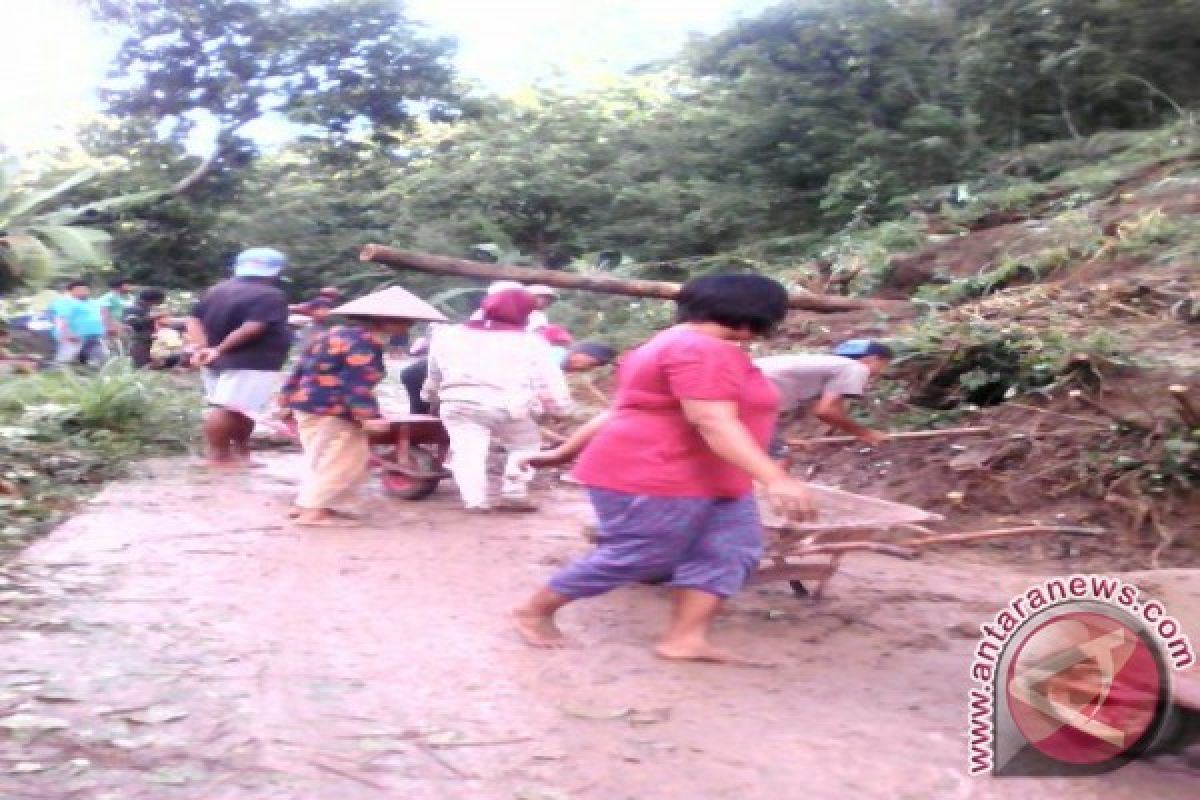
[
  {"x": 861, "y": 348},
  {"x": 259, "y": 262}
]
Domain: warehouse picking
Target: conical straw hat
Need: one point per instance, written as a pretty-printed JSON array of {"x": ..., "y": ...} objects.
[{"x": 394, "y": 303}]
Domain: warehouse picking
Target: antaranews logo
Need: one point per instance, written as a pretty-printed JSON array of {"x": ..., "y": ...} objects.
[{"x": 1073, "y": 677}]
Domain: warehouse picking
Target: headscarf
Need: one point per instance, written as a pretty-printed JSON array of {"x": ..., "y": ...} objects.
[
  {"x": 506, "y": 310},
  {"x": 556, "y": 335}
]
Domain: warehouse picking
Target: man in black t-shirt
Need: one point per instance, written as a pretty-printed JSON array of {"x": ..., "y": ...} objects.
[
  {"x": 240, "y": 330},
  {"x": 141, "y": 319}
]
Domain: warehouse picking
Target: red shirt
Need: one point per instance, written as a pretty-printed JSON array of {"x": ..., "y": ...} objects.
[{"x": 648, "y": 447}]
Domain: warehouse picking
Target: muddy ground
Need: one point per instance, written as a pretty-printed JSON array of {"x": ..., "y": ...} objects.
[{"x": 178, "y": 639}]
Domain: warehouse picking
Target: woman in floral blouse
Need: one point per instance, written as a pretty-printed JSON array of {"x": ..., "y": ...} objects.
[{"x": 331, "y": 392}]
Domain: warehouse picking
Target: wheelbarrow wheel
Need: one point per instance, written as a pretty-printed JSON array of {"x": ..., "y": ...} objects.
[{"x": 397, "y": 484}]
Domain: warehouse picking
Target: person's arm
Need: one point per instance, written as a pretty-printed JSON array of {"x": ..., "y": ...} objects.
[
  {"x": 64, "y": 330},
  {"x": 433, "y": 373},
  {"x": 549, "y": 382},
  {"x": 831, "y": 409},
  {"x": 571, "y": 447},
  {"x": 717, "y": 423},
  {"x": 194, "y": 333}
]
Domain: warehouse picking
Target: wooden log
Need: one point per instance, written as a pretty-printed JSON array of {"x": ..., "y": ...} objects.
[
  {"x": 1189, "y": 411},
  {"x": 1115, "y": 416},
  {"x": 604, "y": 284},
  {"x": 933, "y": 434},
  {"x": 1000, "y": 533}
]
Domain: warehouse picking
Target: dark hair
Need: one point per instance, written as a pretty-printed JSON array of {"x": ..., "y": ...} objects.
[
  {"x": 116, "y": 283},
  {"x": 151, "y": 297},
  {"x": 597, "y": 350},
  {"x": 741, "y": 301},
  {"x": 76, "y": 283}
]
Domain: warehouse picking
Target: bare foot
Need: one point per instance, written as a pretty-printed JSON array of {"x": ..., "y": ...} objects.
[
  {"x": 321, "y": 518},
  {"x": 538, "y": 630},
  {"x": 703, "y": 651},
  {"x": 219, "y": 465}
]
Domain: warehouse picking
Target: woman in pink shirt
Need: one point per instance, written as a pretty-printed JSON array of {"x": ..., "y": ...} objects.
[{"x": 670, "y": 468}]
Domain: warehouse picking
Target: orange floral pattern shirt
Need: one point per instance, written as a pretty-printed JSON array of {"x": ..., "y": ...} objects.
[{"x": 337, "y": 375}]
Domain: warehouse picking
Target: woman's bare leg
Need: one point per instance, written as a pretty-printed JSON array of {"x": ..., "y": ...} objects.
[
  {"x": 692, "y": 613},
  {"x": 535, "y": 620}
]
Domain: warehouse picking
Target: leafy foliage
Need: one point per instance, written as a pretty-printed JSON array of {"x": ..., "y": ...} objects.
[{"x": 62, "y": 432}]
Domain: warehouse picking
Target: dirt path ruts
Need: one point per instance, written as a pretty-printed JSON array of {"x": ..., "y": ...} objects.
[{"x": 178, "y": 640}]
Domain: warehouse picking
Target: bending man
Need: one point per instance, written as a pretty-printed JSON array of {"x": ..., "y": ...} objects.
[{"x": 820, "y": 384}]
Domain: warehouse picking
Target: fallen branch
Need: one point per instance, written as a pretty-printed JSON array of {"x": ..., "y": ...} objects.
[
  {"x": 480, "y": 743},
  {"x": 1189, "y": 412},
  {"x": 553, "y": 436},
  {"x": 1055, "y": 413},
  {"x": 1116, "y": 416},
  {"x": 902, "y": 435},
  {"x": 998, "y": 533},
  {"x": 350, "y": 776},
  {"x": 604, "y": 284}
]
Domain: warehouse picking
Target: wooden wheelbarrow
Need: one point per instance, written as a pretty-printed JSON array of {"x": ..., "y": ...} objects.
[
  {"x": 408, "y": 457},
  {"x": 811, "y": 552}
]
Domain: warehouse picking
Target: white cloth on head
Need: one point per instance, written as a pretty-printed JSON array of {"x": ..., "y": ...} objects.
[
  {"x": 803, "y": 377},
  {"x": 472, "y": 430},
  {"x": 244, "y": 390},
  {"x": 515, "y": 371}
]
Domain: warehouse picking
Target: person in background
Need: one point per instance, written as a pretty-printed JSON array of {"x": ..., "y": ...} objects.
[
  {"x": 317, "y": 310},
  {"x": 331, "y": 392},
  {"x": 78, "y": 326},
  {"x": 168, "y": 348},
  {"x": 141, "y": 319},
  {"x": 670, "y": 468},
  {"x": 113, "y": 304},
  {"x": 819, "y": 384},
  {"x": 489, "y": 378},
  {"x": 586, "y": 356},
  {"x": 239, "y": 332},
  {"x": 545, "y": 297},
  {"x": 319, "y": 307}
]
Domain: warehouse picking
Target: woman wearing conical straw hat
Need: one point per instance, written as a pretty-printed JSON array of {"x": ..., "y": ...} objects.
[{"x": 332, "y": 394}]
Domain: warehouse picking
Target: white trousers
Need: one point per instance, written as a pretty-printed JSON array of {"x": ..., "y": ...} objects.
[{"x": 473, "y": 429}]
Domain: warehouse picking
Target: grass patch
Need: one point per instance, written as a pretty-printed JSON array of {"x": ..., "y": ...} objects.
[{"x": 64, "y": 433}]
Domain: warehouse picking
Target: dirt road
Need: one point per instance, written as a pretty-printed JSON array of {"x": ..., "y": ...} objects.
[{"x": 179, "y": 640}]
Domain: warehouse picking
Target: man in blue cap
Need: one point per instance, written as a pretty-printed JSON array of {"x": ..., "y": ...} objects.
[
  {"x": 819, "y": 384},
  {"x": 240, "y": 331}
]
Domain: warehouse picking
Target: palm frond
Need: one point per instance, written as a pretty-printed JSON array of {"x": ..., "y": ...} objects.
[
  {"x": 86, "y": 247},
  {"x": 23, "y": 206}
]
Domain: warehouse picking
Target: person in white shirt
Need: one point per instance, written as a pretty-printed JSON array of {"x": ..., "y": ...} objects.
[
  {"x": 819, "y": 384},
  {"x": 489, "y": 378}
]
